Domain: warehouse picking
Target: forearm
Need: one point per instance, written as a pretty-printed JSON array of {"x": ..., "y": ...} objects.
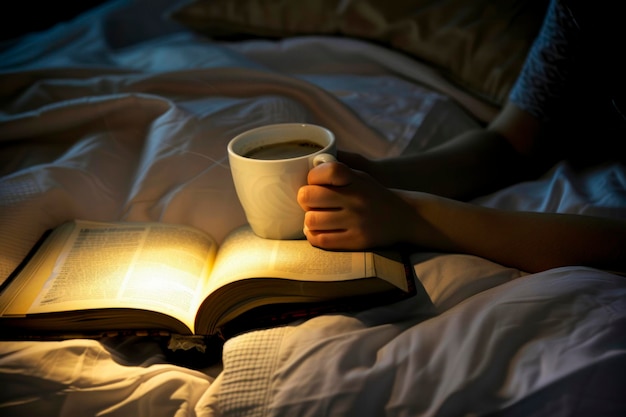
[
  {"x": 472, "y": 164},
  {"x": 529, "y": 241}
]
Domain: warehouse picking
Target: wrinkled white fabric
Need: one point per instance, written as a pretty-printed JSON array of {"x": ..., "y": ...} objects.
[
  {"x": 80, "y": 377},
  {"x": 110, "y": 119},
  {"x": 546, "y": 332}
]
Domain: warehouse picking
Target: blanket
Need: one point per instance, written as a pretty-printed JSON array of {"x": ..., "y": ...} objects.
[{"x": 105, "y": 119}]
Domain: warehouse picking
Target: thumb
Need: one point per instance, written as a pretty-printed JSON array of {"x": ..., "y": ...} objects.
[{"x": 331, "y": 173}]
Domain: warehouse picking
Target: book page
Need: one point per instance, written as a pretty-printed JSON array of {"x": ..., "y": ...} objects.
[
  {"x": 152, "y": 266},
  {"x": 243, "y": 255}
]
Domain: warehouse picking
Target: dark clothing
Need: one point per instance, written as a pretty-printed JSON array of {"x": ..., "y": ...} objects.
[{"x": 573, "y": 80}]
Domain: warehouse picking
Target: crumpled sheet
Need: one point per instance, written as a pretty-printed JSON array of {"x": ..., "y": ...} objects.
[
  {"x": 82, "y": 377},
  {"x": 104, "y": 118},
  {"x": 499, "y": 344}
]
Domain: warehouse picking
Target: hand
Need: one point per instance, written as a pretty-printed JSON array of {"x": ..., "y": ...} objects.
[
  {"x": 376, "y": 168},
  {"x": 356, "y": 161},
  {"x": 347, "y": 209}
]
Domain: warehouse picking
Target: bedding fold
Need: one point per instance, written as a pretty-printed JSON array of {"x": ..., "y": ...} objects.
[
  {"x": 106, "y": 119},
  {"x": 126, "y": 144},
  {"x": 543, "y": 333},
  {"x": 80, "y": 377}
]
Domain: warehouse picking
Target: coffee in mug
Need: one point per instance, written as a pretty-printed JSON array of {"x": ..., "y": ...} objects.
[
  {"x": 284, "y": 150},
  {"x": 269, "y": 164}
]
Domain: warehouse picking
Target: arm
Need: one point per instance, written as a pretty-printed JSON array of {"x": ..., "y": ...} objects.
[
  {"x": 528, "y": 241},
  {"x": 477, "y": 162},
  {"x": 346, "y": 209}
]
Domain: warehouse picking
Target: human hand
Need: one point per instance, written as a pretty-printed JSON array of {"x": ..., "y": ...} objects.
[
  {"x": 376, "y": 168},
  {"x": 347, "y": 209},
  {"x": 355, "y": 161}
]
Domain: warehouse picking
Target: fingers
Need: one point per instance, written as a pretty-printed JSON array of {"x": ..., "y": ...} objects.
[
  {"x": 321, "y": 192},
  {"x": 334, "y": 239},
  {"x": 316, "y": 197},
  {"x": 327, "y": 220},
  {"x": 344, "y": 209},
  {"x": 331, "y": 173},
  {"x": 336, "y": 226}
]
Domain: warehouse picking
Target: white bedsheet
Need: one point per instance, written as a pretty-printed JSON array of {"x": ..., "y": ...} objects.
[
  {"x": 105, "y": 119},
  {"x": 540, "y": 339}
]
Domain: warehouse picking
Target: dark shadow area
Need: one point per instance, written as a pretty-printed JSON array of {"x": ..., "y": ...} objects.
[{"x": 21, "y": 18}]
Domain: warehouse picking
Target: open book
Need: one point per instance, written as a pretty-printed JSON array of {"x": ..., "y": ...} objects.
[{"x": 91, "y": 277}]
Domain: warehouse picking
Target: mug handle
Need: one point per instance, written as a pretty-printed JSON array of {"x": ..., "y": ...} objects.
[{"x": 323, "y": 157}]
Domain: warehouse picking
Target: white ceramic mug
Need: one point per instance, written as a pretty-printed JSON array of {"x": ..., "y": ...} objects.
[{"x": 267, "y": 188}]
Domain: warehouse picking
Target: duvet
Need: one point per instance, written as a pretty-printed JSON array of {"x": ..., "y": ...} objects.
[{"x": 105, "y": 119}]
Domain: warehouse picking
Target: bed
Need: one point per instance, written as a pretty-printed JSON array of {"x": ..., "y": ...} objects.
[{"x": 123, "y": 113}]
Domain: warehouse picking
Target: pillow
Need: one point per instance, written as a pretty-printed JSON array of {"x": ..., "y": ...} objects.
[{"x": 478, "y": 44}]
